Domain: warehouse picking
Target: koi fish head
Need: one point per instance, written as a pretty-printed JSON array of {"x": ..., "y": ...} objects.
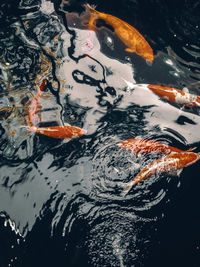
[
  {"x": 80, "y": 131},
  {"x": 185, "y": 158},
  {"x": 90, "y": 7}
]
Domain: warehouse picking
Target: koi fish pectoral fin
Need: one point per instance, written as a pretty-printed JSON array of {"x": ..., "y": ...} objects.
[
  {"x": 179, "y": 171},
  {"x": 130, "y": 50},
  {"x": 66, "y": 140},
  {"x": 176, "y": 172},
  {"x": 149, "y": 63}
]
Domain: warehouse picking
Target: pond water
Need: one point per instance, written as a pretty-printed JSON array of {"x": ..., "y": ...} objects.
[{"x": 61, "y": 201}]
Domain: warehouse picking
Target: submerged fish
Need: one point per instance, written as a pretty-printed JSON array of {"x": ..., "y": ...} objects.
[
  {"x": 138, "y": 145},
  {"x": 175, "y": 95},
  {"x": 134, "y": 41},
  {"x": 170, "y": 162},
  {"x": 66, "y": 131}
]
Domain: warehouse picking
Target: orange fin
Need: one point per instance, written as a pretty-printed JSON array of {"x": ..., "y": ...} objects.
[{"x": 91, "y": 8}]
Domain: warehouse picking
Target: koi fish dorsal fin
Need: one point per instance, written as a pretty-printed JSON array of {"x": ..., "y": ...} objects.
[{"x": 91, "y": 8}]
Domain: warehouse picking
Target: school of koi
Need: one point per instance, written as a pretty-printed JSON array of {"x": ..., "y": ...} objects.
[{"x": 175, "y": 159}]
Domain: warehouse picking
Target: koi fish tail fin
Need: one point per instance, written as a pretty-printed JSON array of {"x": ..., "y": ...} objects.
[
  {"x": 126, "y": 187},
  {"x": 91, "y": 8},
  {"x": 94, "y": 15}
]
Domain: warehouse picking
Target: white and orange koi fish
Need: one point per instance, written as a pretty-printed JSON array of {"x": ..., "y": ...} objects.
[
  {"x": 173, "y": 161},
  {"x": 134, "y": 41},
  {"x": 66, "y": 131},
  {"x": 138, "y": 145},
  {"x": 175, "y": 95}
]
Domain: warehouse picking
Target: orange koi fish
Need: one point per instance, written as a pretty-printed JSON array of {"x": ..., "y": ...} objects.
[
  {"x": 134, "y": 41},
  {"x": 66, "y": 131},
  {"x": 173, "y": 161},
  {"x": 138, "y": 145},
  {"x": 175, "y": 95}
]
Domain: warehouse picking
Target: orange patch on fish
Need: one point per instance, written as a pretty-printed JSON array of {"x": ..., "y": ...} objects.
[
  {"x": 134, "y": 41},
  {"x": 138, "y": 145},
  {"x": 172, "y": 161},
  {"x": 175, "y": 95}
]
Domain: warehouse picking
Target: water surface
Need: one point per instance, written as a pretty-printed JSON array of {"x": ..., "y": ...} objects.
[{"x": 61, "y": 202}]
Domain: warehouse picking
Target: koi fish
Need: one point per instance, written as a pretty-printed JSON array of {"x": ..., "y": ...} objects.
[
  {"x": 66, "y": 131},
  {"x": 175, "y": 95},
  {"x": 138, "y": 145},
  {"x": 34, "y": 104},
  {"x": 173, "y": 161},
  {"x": 134, "y": 41}
]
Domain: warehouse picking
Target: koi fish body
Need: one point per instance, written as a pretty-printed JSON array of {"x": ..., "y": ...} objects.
[
  {"x": 134, "y": 41},
  {"x": 138, "y": 145},
  {"x": 173, "y": 161},
  {"x": 175, "y": 95},
  {"x": 59, "y": 131}
]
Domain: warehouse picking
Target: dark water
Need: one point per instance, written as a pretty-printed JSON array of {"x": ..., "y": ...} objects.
[{"x": 60, "y": 202}]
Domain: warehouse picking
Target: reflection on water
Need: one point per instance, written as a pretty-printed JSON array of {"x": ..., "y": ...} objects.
[{"x": 61, "y": 201}]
